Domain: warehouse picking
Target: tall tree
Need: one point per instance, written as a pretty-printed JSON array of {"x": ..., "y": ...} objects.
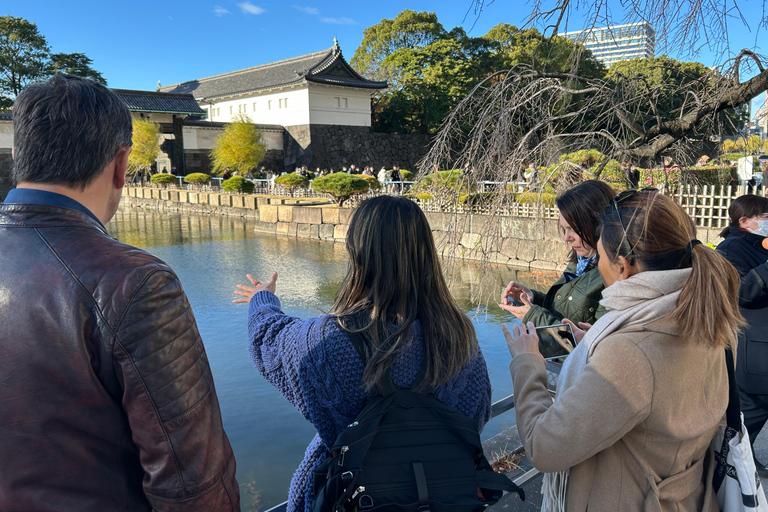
[
  {"x": 239, "y": 147},
  {"x": 146, "y": 145},
  {"x": 77, "y": 64},
  {"x": 409, "y": 29},
  {"x": 23, "y": 53}
]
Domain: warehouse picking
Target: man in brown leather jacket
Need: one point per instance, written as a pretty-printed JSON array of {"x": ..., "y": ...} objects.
[{"x": 107, "y": 402}]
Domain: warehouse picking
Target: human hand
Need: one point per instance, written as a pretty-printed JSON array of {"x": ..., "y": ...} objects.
[
  {"x": 247, "y": 292},
  {"x": 517, "y": 291},
  {"x": 520, "y": 293},
  {"x": 522, "y": 340},
  {"x": 578, "y": 332}
]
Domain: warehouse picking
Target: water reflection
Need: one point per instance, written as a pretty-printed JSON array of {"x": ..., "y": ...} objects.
[{"x": 211, "y": 255}]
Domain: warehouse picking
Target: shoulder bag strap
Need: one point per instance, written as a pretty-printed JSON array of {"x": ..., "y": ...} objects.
[{"x": 732, "y": 414}]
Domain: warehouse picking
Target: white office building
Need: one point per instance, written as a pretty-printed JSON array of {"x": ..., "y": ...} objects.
[{"x": 613, "y": 44}]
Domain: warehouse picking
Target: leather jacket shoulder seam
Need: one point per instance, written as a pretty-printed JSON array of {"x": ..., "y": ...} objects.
[{"x": 76, "y": 280}]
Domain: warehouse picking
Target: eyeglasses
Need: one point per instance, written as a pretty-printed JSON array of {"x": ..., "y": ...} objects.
[{"x": 623, "y": 196}]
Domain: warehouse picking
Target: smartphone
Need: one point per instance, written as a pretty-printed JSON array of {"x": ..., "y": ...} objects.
[
  {"x": 514, "y": 302},
  {"x": 555, "y": 340}
]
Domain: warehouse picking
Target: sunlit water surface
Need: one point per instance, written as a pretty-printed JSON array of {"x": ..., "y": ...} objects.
[{"x": 211, "y": 255}]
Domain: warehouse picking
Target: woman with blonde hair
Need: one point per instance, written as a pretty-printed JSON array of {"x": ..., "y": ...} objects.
[
  {"x": 395, "y": 297},
  {"x": 641, "y": 396}
]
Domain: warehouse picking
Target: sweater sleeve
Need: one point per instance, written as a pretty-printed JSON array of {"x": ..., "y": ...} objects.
[
  {"x": 611, "y": 396},
  {"x": 276, "y": 346},
  {"x": 311, "y": 362}
]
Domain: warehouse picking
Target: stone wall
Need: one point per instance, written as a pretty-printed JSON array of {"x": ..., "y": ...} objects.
[
  {"x": 338, "y": 146},
  {"x": 515, "y": 241},
  {"x": 297, "y": 147},
  {"x": 6, "y": 162}
]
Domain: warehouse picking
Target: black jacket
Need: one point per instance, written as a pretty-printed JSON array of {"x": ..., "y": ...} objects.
[
  {"x": 744, "y": 250},
  {"x": 107, "y": 401}
]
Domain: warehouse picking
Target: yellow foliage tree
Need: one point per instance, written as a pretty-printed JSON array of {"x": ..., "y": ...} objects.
[
  {"x": 146, "y": 144},
  {"x": 752, "y": 144},
  {"x": 729, "y": 146},
  {"x": 240, "y": 147}
]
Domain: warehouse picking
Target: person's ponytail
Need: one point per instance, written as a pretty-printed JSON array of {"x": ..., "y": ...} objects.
[
  {"x": 654, "y": 232},
  {"x": 707, "y": 308}
]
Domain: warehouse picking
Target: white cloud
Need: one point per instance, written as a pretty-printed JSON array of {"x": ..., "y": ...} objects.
[
  {"x": 249, "y": 8},
  {"x": 219, "y": 10},
  {"x": 339, "y": 21},
  {"x": 308, "y": 10}
]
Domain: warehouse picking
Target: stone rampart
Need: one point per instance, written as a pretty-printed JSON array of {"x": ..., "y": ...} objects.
[{"x": 516, "y": 241}]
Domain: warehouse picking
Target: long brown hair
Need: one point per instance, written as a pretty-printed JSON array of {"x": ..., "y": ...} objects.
[
  {"x": 394, "y": 278},
  {"x": 582, "y": 207},
  {"x": 744, "y": 206},
  {"x": 653, "y": 231}
]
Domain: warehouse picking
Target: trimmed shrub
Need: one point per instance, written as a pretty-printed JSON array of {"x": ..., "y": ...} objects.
[
  {"x": 341, "y": 186},
  {"x": 406, "y": 175},
  {"x": 292, "y": 182},
  {"x": 373, "y": 182},
  {"x": 198, "y": 178},
  {"x": 544, "y": 198},
  {"x": 163, "y": 179},
  {"x": 238, "y": 184}
]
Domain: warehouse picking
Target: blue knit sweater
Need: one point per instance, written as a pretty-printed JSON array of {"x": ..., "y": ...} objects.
[{"x": 314, "y": 365}]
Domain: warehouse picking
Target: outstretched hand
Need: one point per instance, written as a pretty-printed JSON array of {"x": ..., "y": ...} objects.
[{"x": 246, "y": 292}]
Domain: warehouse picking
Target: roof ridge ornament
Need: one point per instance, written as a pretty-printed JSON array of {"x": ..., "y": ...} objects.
[{"x": 336, "y": 45}]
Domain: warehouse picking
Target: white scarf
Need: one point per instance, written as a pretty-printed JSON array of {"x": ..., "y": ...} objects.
[{"x": 635, "y": 301}]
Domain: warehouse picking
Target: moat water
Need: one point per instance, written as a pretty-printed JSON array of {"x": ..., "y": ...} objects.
[{"x": 211, "y": 255}]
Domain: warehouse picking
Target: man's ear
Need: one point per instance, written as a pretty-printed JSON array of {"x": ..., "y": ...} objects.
[{"x": 121, "y": 166}]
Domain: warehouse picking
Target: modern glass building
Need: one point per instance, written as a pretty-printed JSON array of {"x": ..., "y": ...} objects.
[{"x": 622, "y": 42}]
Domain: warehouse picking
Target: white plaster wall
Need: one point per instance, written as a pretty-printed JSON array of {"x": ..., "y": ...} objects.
[
  {"x": 269, "y": 108},
  {"x": 196, "y": 137},
  {"x": 6, "y": 134},
  {"x": 158, "y": 118},
  {"x": 343, "y": 106}
]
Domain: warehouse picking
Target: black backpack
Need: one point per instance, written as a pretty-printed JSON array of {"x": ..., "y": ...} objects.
[{"x": 407, "y": 451}]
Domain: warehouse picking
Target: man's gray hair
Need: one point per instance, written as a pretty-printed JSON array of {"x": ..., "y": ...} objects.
[{"x": 66, "y": 130}]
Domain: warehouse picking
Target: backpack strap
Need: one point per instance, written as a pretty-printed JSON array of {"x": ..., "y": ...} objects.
[{"x": 387, "y": 385}]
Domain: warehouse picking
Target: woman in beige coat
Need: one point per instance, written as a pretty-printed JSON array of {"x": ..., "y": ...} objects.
[{"x": 641, "y": 396}]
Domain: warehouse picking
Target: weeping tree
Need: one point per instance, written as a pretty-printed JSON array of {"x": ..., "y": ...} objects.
[{"x": 650, "y": 112}]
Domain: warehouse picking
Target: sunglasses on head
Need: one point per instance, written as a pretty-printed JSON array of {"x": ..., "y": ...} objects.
[{"x": 623, "y": 196}]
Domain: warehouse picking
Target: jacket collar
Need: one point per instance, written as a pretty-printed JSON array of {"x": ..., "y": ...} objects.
[
  {"x": 40, "y": 215},
  {"x": 44, "y": 197}
]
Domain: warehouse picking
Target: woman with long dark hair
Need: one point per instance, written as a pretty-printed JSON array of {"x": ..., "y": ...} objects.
[
  {"x": 576, "y": 295},
  {"x": 640, "y": 397},
  {"x": 746, "y": 247},
  {"x": 394, "y": 296}
]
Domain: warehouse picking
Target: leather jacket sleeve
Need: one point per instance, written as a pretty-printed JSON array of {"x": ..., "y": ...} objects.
[{"x": 170, "y": 401}]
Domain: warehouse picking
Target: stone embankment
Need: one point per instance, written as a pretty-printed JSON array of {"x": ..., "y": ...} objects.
[{"x": 517, "y": 241}]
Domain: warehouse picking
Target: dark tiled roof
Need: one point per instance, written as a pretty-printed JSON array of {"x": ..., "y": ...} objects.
[
  {"x": 216, "y": 124},
  {"x": 326, "y": 66},
  {"x": 161, "y": 102}
]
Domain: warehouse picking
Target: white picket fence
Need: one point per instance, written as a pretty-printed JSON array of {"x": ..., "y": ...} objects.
[{"x": 707, "y": 205}]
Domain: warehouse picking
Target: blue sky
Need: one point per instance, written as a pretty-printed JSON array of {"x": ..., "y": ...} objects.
[{"x": 135, "y": 44}]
